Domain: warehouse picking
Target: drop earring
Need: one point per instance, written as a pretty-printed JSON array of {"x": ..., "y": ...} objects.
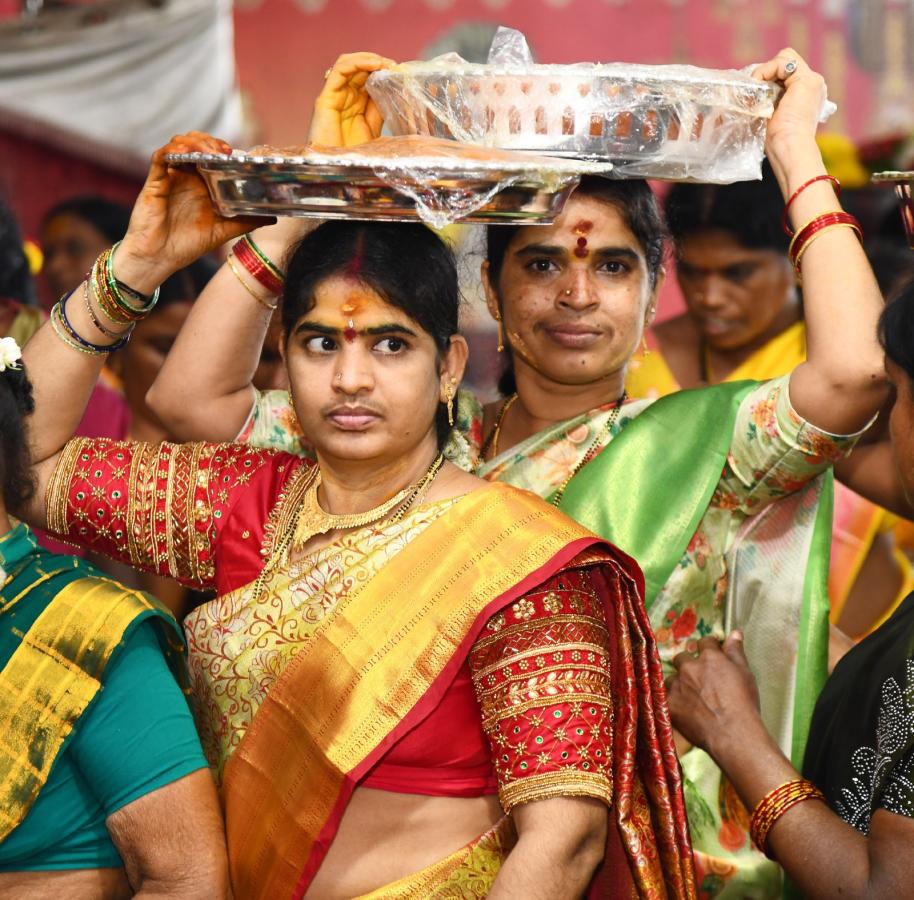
[
  {"x": 501, "y": 333},
  {"x": 292, "y": 405},
  {"x": 450, "y": 391}
]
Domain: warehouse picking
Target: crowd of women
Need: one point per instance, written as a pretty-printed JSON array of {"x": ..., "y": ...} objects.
[{"x": 570, "y": 643}]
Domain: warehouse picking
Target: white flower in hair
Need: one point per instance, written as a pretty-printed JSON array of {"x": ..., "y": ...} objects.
[{"x": 10, "y": 354}]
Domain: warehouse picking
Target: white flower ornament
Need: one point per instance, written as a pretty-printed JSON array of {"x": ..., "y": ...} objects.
[{"x": 10, "y": 354}]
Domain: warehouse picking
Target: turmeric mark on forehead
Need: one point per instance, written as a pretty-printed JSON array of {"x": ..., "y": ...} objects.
[
  {"x": 352, "y": 305},
  {"x": 583, "y": 228}
]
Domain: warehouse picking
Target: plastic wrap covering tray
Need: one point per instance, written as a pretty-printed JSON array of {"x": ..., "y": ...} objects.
[
  {"x": 673, "y": 122},
  {"x": 392, "y": 179}
]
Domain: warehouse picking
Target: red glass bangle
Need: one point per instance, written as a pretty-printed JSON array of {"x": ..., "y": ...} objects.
[
  {"x": 835, "y": 183},
  {"x": 254, "y": 265},
  {"x": 774, "y": 804},
  {"x": 802, "y": 236}
]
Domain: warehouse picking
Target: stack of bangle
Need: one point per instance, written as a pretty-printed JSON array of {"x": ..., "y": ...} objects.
[
  {"x": 258, "y": 265},
  {"x": 807, "y": 233},
  {"x": 263, "y": 301},
  {"x": 68, "y": 334},
  {"x": 775, "y": 804},
  {"x": 109, "y": 292}
]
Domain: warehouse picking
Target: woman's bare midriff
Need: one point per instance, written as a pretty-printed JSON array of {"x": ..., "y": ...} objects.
[
  {"x": 384, "y": 836},
  {"x": 74, "y": 884}
]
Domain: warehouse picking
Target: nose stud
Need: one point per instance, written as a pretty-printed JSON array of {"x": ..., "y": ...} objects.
[
  {"x": 339, "y": 376},
  {"x": 567, "y": 292}
]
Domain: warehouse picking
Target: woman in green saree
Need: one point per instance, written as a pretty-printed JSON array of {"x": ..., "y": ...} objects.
[{"x": 854, "y": 839}]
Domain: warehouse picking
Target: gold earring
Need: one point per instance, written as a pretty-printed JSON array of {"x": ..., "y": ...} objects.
[
  {"x": 292, "y": 404},
  {"x": 501, "y": 333},
  {"x": 450, "y": 391},
  {"x": 645, "y": 350}
]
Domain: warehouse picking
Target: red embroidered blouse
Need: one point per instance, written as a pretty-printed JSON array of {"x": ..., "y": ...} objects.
[{"x": 536, "y": 686}]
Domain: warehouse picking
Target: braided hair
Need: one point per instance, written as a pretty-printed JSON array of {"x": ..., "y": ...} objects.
[{"x": 16, "y": 404}]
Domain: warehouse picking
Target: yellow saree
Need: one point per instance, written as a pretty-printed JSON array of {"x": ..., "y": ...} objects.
[
  {"x": 373, "y": 669},
  {"x": 310, "y": 675}
]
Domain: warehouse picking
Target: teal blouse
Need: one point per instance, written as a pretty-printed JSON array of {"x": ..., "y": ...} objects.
[{"x": 137, "y": 736}]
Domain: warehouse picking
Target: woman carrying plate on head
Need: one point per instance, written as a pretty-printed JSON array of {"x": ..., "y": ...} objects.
[
  {"x": 744, "y": 320},
  {"x": 845, "y": 826},
  {"x": 716, "y": 492},
  {"x": 411, "y": 680}
]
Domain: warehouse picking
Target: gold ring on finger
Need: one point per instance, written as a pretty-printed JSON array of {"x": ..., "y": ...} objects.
[{"x": 327, "y": 73}]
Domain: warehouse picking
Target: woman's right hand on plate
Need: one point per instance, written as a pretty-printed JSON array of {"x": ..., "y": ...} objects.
[
  {"x": 344, "y": 113},
  {"x": 174, "y": 221}
]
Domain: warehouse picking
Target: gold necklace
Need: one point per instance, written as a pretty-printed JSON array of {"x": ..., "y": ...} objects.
[
  {"x": 312, "y": 520},
  {"x": 593, "y": 449},
  {"x": 496, "y": 430}
]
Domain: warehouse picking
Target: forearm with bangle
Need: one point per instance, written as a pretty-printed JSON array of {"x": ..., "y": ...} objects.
[
  {"x": 105, "y": 297},
  {"x": 256, "y": 272}
]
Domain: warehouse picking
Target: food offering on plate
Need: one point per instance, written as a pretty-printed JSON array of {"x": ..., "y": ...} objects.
[
  {"x": 670, "y": 122},
  {"x": 393, "y": 179}
]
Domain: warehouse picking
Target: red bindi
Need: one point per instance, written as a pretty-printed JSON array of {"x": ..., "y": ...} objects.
[
  {"x": 582, "y": 229},
  {"x": 349, "y": 332}
]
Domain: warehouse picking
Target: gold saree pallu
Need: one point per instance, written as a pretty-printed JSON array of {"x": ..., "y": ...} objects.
[
  {"x": 373, "y": 670},
  {"x": 53, "y": 677}
]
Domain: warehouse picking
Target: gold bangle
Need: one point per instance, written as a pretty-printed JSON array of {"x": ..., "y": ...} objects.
[
  {"x": 797, "y": 232},
  {"x": 819, "y": 233},
  {"x": 261, "y": 300},
  {"x": 95, "y": 319},
  {"x": 774, "y": 804}
]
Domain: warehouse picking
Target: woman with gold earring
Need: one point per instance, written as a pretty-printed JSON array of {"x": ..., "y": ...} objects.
[{"x": 380, "y": 611}]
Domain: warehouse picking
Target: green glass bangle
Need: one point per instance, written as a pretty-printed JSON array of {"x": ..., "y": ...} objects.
[{"x": 114, "y": 284}]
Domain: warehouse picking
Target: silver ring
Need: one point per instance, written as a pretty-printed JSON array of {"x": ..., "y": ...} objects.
[{"x": 790, "y": 67}]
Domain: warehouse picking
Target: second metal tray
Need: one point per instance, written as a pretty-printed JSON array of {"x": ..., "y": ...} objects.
[{"x": 436, "y": 190}]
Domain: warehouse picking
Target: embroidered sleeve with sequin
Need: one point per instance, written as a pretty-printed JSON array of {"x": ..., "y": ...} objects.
[
  {"x": 541, "y": 669},
  {"x": 158, "y": 507}
]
